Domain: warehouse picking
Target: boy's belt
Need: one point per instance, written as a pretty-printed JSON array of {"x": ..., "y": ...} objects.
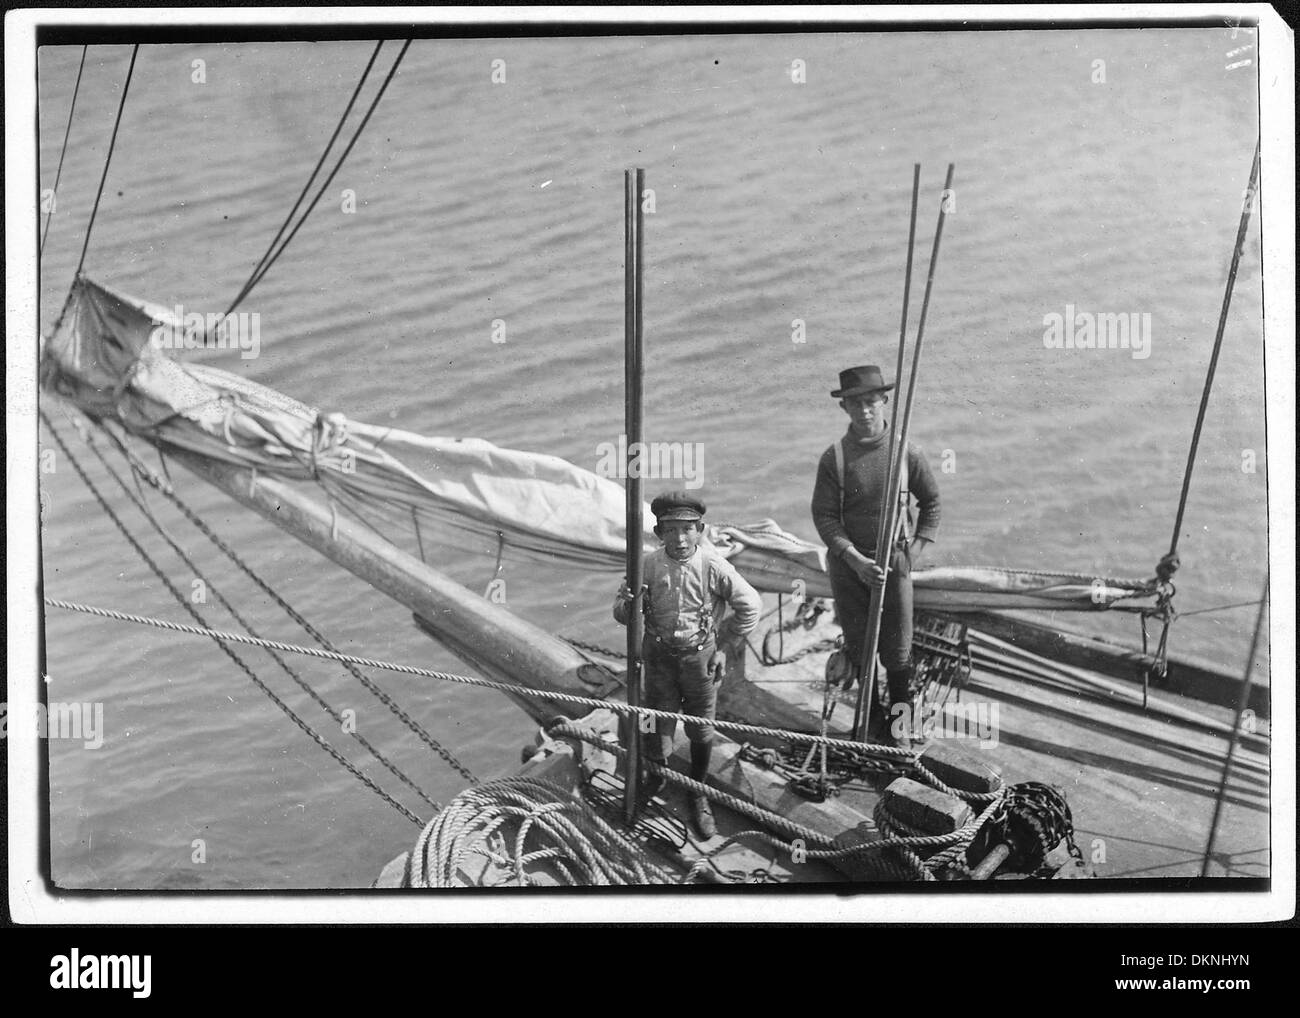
[
  {"x": 702, "y": 638},
  {"x": 679, "y": 648}
]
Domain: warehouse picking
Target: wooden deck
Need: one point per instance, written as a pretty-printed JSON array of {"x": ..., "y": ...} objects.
[{"x": 1141, "y": 786}]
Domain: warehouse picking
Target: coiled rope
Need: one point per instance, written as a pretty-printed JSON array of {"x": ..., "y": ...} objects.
[{"x": 582, "y": 848}]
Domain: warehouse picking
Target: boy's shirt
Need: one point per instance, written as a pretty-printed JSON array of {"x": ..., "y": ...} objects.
[{"x": 678, "y": 591}]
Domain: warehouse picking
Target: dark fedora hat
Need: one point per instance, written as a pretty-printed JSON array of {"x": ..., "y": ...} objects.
[{"x": 859, "y": 380}]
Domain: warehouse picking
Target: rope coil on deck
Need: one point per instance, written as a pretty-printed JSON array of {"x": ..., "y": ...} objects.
[{"x": 583, "y": 848}]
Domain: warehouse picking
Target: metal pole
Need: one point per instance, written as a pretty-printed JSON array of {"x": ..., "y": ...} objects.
[
  {"x": 866, "y": 667},
  {"x": 876, "y": 607},
  {"x": 1243, "y": 698},
  {"x": 634, "y": 187}
]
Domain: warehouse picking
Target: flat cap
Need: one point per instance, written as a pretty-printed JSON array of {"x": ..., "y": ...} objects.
[{"x": 677, "y": 505}]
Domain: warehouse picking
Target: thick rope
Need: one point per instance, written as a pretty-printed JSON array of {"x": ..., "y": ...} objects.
[
  {"x": 905, "y": 842},
  {"x": 58, "y": 174},
  {"x": 584, "y": 847},
  {"x": 749, "y": 809},
  {"x": 220, "y": 641},
  {"x": 213, "y": 589},
  {"x": 142, "y": 470},
  {"x": 501, "y": 687}
]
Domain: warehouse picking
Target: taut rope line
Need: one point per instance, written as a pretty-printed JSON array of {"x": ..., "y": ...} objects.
[
  {"x": 221, "y": 642},
  {"x": 108, "y": 159},
  {"x": 58, "y": 174},
  {"x": 259, "y": 274},
  {"x": 141, "y": 470},
  {"x": 502, "y": 687},
  {"x": 253, "y": 276},
  {"x": 215, "y": 591}
]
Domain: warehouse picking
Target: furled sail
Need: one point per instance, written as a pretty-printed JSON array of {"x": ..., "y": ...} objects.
[{"x": 109, "y": 357}]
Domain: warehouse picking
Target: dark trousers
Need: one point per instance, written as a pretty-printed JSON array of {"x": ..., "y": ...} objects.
[
  {"x": 680, "y": 682},
  {"x": 852, "y": 600}
]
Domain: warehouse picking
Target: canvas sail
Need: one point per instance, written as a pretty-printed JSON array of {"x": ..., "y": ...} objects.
[{"x": 110, "y": 356}]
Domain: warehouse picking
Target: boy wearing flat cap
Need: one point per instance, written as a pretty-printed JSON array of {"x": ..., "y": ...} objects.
[
  {"x": 848, "y": 499},
  {"x": 687, "y": 588}
]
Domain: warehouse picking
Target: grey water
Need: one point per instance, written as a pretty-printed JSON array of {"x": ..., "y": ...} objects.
[{"x": 780, "y": 214}]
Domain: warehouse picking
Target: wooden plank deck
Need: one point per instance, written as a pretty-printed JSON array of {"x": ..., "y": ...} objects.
[{"x": 1141, "y": 787}]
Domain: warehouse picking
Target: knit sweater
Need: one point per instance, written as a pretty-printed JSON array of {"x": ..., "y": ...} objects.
[{"x": 866, "y": 461}]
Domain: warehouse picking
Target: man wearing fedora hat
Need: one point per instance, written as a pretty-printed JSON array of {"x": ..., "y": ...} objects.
[{"x": 848, "y": 499}]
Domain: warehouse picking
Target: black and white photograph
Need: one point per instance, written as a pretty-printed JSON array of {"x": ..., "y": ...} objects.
[{"x": 827, "y": 470}]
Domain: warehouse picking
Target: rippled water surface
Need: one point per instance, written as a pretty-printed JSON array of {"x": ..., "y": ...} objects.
[{"x": 774, "y": 201}]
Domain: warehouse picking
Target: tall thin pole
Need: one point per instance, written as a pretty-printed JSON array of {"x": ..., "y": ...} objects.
[
  {"x": 1218, "y": 343},
  {"x": 633, "y": 187},
  {"x": 883, "y": 552},
  {"x": 866, "y": 668},
  {"x": 1243, "y": 698}
]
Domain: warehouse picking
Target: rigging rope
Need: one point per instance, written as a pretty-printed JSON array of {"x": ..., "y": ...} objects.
[
  {"x": 251, "y": 281},
  {"x": 1243, "y": 698},
  {"x": 1168, "y": 565},
  {"x": 1170, "y": 561},
  {"x": 58, "y": 174},
  {"x": 221, "y": 641},
  {"x": 112, "y": 143},
  {"x": 212, "y": 588},
  {"x": 259, "y": 275},
  {"x": 1219, "y": 608},
  {"x": 142, "y": 470},
  {"x": 502, "y": 687}
]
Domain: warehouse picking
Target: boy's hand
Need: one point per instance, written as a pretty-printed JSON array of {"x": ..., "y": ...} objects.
[
  {"x": 717, "y": 665},
  {"x": 625, "y": 593}
]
